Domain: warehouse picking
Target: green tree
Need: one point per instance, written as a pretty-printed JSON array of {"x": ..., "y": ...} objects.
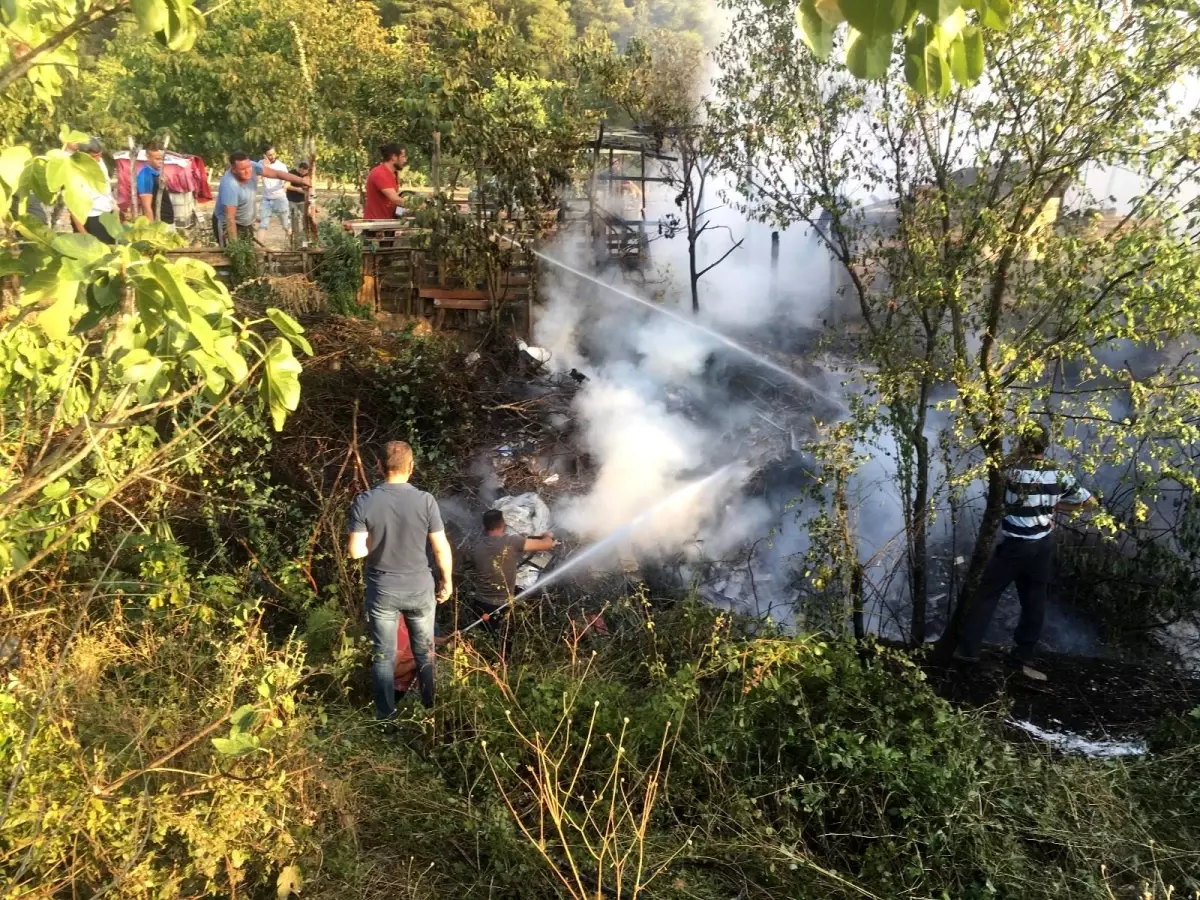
[
  {"x": 260, "y": 73},
  {"x": 977, "y": 297},
  {"x": 942, "y": 41},
  {"x": 39, "y": 45},
  {"x": 112, "y": 359}
]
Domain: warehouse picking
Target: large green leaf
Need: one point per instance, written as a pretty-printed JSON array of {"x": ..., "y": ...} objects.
[
  {"x": 80, "y": 178},
  {"x": 214, "y": 380},
  {"x": 245, "y": 717},
  {"x": 937, "y": 10},
  {"x": 226, "y": 346},
  {"x": 138, "y": 366},
  {"x": 237, "y": 744},
  {"x": 281, "y": 384},
  {"x": 58, "y": 167},
  {"x": 12, "y": 163},
  {"x": 87, "y": 169},
  {"x": 830, "y": 11},
  {"x": 111, "y": 223},
  {"x": 290, "y": 328},
  {"x": 151, "y": 15},
  {"x": 68, "y": 135},
  {"x": 925, "y": 68},
  {"x": 56, "y": 490},
  {"x": 80, "y": 246},
  {"x": 957, "y": 57},
  {"x": 184, "y": 25},
  {"x": 55, "y": 319},
  {"x": 874, "y": 18},
  {"x": 976, "y": 52},
  {"x": 949, "y": 28},
  {"x": 285, "y": 323},
  {"x": 866, "y": 58},
  {"x": 996, "y": 14},
  {"x": 816, "y": 32}
]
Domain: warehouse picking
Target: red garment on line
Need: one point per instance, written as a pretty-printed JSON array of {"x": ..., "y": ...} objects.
[{"x": 191, "y": 178}]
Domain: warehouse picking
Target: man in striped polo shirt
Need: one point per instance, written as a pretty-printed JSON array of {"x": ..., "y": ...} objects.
[{"x": 1036, "y": 489}]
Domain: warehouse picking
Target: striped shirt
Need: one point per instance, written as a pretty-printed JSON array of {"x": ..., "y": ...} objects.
[{"x": 1031, "y": 493}]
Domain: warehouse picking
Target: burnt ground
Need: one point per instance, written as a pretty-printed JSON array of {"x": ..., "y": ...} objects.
[{"x": 1100, "y": 699}]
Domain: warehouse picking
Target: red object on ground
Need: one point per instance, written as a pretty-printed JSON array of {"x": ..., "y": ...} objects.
[{"x": 406, "y": 663}]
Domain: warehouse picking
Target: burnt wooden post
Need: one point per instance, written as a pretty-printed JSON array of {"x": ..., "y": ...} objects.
[
  {"x": 435, "y": 161},
  {"x": 774, "y": 263}
]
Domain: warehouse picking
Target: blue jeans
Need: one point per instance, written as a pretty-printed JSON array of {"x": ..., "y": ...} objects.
[
  {"x": 274, "y": 206},
  {"x": 383, "y": 614}
]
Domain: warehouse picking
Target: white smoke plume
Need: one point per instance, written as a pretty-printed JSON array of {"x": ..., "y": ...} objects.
[{"x": 652, "y": 416}]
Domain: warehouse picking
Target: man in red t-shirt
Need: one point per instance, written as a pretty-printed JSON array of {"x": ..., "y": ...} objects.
[{"x": 383, "y": 190}]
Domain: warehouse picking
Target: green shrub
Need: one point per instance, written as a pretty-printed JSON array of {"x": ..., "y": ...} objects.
[{"x": 339, "y": 272}]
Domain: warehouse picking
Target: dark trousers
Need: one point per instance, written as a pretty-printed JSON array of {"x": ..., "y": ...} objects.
[
  {"x": 383, "y": 614},
  {"x": 1031, "y": 565},
  {"x": 498, "y": 623},
  {"x": 93, "y": 227}
]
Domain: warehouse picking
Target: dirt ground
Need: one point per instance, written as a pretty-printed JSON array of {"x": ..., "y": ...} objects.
[{"x": 1100, "y": 699}]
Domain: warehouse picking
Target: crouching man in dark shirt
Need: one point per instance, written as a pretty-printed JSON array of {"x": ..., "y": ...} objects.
[
  {"x": 390, "y": 525},
  {"x": 496, "y": 557}
]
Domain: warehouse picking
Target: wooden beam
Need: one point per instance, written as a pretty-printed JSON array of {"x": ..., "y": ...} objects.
[{"x": 461, "y": 303}]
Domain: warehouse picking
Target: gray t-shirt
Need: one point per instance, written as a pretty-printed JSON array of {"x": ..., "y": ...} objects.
[
  {"x": 243, "y": 195},
  {"x": 399, "y": 519},
  {"x": 496, "y": 557}
]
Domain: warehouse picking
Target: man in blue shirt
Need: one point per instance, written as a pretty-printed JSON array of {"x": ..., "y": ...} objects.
[
  {"x": 234, "y": 212},
  {"x": 154, "y": 200}
]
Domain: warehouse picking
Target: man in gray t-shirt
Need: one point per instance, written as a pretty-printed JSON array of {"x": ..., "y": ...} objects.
[
  {"x": 234, "y": 211},
  {"x": 495, "y": 558},
  {"x": 390, "y": 526}
]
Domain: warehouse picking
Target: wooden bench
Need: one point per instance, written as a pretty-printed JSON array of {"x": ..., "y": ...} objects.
[{"x": 454, "y": 298}]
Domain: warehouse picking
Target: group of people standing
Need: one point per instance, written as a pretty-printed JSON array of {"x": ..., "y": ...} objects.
[
  {"x": 238, "y": 208},
  {"x": 153, "y": 200},
  {"x": 391, "y": 527}
]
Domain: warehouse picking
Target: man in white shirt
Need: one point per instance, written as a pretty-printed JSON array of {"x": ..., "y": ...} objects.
[
  {"x": 274, "y": 200},
  {"x": 102, "y": 203}
]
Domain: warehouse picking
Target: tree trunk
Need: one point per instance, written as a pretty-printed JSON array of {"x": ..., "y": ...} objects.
[
  {"x": 918, "y": 547},
  {"x": 992, "y": 515},
  {"x": 856, "y": 602},
  {"x": 695, "y": 279}
]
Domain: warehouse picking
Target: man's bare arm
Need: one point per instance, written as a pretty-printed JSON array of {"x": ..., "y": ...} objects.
[
  {"x": 359, "y": 545},
  {"x": 231, "y": 223},
  {"x": 146, "y": 201},
  {"x": 445, "y": 562},
  {"x": 540, "y": 543},
  {"x": 1065, "y": 506},
  {"x": 393, "y": 197}
]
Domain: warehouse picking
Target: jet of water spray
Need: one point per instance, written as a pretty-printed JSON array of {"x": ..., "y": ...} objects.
[
  {"x": 715, "y": 335},
  {"x": 611, "y": 540}
]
